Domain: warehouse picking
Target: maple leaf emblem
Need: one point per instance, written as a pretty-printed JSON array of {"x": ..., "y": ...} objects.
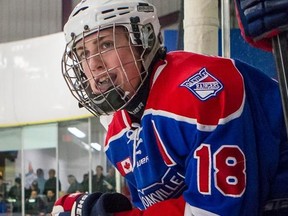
[{"x": 125, "y": 166}]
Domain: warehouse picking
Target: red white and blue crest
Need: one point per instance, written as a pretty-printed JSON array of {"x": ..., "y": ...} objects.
[{"x": 203, "y": 85}]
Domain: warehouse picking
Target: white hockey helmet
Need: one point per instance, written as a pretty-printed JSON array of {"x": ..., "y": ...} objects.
[{"x": 139, "y": 18}]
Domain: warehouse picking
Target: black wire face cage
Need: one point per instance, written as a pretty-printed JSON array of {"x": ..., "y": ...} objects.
[{"x": 82, "y": 79}]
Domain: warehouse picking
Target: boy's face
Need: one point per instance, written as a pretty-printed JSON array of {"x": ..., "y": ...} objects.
[
  {"x": 99, "y": 170},
  {"x": 50, "y": 193},
  {"x": 33, "y": 195},
  {"x": 109, "y": 60}
]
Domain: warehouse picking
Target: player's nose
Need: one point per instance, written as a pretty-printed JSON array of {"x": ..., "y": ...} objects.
[{"x": 96, "y": 65}]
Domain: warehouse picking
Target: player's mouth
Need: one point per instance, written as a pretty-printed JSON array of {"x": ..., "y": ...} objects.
[{"x": 105, "y": 82}]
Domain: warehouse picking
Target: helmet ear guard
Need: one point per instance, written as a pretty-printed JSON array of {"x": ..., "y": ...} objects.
[{"x": 148, "y": 37}]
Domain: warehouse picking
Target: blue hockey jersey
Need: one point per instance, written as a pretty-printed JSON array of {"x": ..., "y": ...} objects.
[{"x": 212, "y": 131}]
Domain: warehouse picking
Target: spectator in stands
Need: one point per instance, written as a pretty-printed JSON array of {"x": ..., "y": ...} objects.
[
  {"x": 110, "y": 180},
  {"x": 40, "y": 180},
  {"x": 3, "y": 188},
  {"x": 50, "y": 184},
  {"x": 98, "y": 184},
  {"x": 50, "y": 200},
  {"x": 15, "y": 194},
  {"x": 75, "y": 186},
  {"x": 30, "y": 176},
  {"x": 34, "y": 205},
  {"x": 33, "y": 187},
  {"x": 85, "y": 182},
  {"x": 3, "y": 204}
]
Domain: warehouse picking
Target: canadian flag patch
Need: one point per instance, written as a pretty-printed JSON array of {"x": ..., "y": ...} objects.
[{"x": 125, "y": 166}]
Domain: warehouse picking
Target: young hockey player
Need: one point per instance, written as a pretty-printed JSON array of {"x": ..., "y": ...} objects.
[{"x": 191, "y": 134}]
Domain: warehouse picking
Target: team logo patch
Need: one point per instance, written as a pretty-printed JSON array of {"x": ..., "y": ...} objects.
[
  {"x": 125, "y": 166},
  {"x": 203, "y": 85}
]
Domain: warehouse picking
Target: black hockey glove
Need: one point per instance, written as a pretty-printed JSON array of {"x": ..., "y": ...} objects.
[
  {"x": 110, "y": 203},
  {"x": 84, "y": 204}
]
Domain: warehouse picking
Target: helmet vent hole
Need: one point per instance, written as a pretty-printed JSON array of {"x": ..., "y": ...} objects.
[
  {"x": 106, "y": 18},
  {"x": 122, "y": 8},
  {"x": 124, "y": 13},
  {"x": 107, "y": 11}
]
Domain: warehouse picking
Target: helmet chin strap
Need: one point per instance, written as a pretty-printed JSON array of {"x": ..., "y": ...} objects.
[
  {"x": 108, "y": 102},
  {"x": 137, "y": 104}
]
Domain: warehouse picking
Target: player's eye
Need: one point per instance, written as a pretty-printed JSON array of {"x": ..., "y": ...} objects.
[
  {"x": 106, "y": 45},
  {"x": 83, "y": 54}
]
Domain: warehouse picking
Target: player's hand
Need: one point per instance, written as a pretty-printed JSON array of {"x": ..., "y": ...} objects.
[
  {"x": 84, "y": 204},
  {"x": 108, "y": 185},
  {"x": 260, "y": 20}
]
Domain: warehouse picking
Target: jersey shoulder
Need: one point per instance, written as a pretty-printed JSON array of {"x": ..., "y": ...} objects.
[{"x": 207, "y": 89}]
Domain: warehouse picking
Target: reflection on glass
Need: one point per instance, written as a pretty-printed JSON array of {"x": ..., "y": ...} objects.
[
  {"x": 39, "y": 163},
  {"x": 80, "y": 150}
]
